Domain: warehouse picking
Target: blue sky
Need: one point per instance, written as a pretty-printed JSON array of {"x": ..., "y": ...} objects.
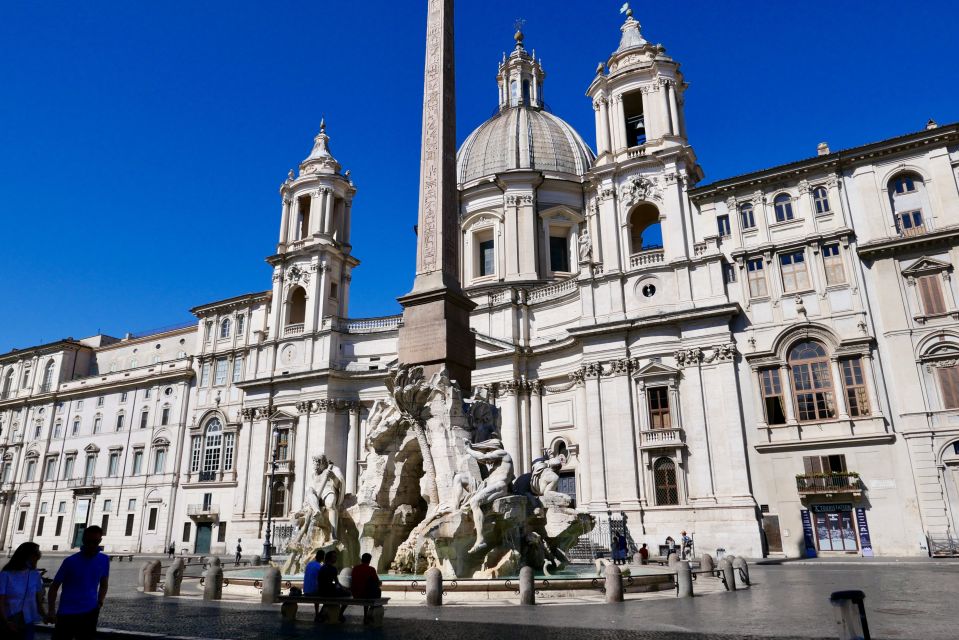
[{"x": 142, "y": 144}]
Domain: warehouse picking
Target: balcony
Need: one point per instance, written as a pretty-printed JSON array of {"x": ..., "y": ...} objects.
[
  {"x": 203, "y": 512},
  {"x": 847, "y": 482},
  {"x": 282, "y": 467},
  {"x": 293, "y": 329},
  {"x": 88, "y": 483},
  {"x": 646, "y": 257},
  {"x": 654, "y": 438},
  {"x": 911, "y": 232},
  {"x": 208, "y": 476}
]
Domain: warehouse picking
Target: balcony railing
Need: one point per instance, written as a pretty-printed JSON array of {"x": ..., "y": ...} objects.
[
  {"x": 203, "y": 510},
  {"x": 88, "y": 482},
  {"x": 646, "y": 257},
  {"x": 918, "y": 230},
  {"x": 660, "y": 438},
  {"x": 293, "y": 329},
  {"x": 838, "y": 482},
  {"x": 208, "y": 476}
]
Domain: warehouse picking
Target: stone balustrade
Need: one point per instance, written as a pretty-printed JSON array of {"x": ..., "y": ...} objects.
[
  {"x": 660, "y": 437},
  {"x": 551, "y": 291},
  {"x": 646, "y": 258},
  {"x": 293, "y": 329}
]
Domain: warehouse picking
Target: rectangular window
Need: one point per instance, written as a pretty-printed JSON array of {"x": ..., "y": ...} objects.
[
  {"x": 75, "y": 430},
  {"x": 559, "y": 253},
  {"x": 120, "y": 422},
  {"x": 795, "y": 276},
  {"x": 108, "y": 505},
  {"x": 824, "y": 464},
  {"x": 68, "y": 468},
  {"x": 100, "y": 401},
  {"x": 812, "y": 384},
  {"x": 129, "y": 528},
  {"x": 105, "y": 522},
  {"x": 132, "y": 504},
  {"x": 36, "y": 432},
  {"x": 123, "y": 397},
  {"x": 195, "y": 455},
  {"x": 772, "y": 389},
  {"x": 205, "y": 374},
  {"x": 486, "y": 258},
  {"x": 722, "y": 222},
  {"x": 949, "y": 385},
  {"x": 658, "y": 400},
  {"x": 91, "y": 466},
  {"x": 44, "y": 507},
  {"x": 152, "y": 521},
  {"x": 97, "y": 423},
  {"x": 240, "y": 324},
  {"x": 40, "y": 521},
  {"x": 832, "y": 263},
  {"x": 137, "y": 462},
  {"x": 855, "y": 387},
  {"x": 221, "y": 532},
  {"x": 747, "y": 217},
  {"x": 62, "y": 507},
  {"x": 910, "y": 223},
  {"x": 283, "y": 445},
  {"x": 114, "y": 464},
  {"x": 31, "y": 471},
  {"x": 229, "y": 440},
  {"x": 757, "y": 278},
  {"x": 729, "y": 273},
  {"x": 930, "y": 294},
  {"x": 147, "y": 393},
  {"x": 59, "y": 526},
  {"x": 219, "y": 377},
  {"x": 159, "y": 462},
  {"x": 186, "y": 532},
  {"x": 144, "y": 418},
  {"x": 165, "y": 416},
  {"x": 22, "y": 521},
  {"x": 50, "y": 471},
  {"x": 57, "y": 429},
  {"x": 238, "y": 369}
]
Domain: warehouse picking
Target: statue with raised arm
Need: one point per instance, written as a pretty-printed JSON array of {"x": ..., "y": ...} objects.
[{"x": 499, "y": 465}]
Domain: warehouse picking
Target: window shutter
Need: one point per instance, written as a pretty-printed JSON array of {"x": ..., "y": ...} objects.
[
  {"x": 949, "y": 383},
  {"x": 931, "y": 293}
]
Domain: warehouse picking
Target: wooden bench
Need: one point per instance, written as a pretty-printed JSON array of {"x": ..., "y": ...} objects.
[{"x": 330, "y": 607}]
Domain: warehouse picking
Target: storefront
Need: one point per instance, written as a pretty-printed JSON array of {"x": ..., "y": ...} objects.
[{"x": 838, "y": 527}]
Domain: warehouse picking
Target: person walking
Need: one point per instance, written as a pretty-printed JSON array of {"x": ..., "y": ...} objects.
[
  {"x": 21, "y": 593},
  {"x": 84, "y": 577},
  {"x": 239, "y": 552},
  {"x": 365, "y": 584},
  {"x": 171, "y": 549},
  {"x": 687, "y": 548},
  {"x": 621, "y": 548}
]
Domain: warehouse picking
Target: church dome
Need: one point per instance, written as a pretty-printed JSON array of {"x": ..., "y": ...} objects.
[{"x": 522, "y": 137}]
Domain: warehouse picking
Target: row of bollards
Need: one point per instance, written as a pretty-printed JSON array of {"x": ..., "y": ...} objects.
[{"x": 149, "y": 578}]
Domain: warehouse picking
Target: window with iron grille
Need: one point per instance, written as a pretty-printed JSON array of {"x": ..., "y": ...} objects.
[{"x": 664, "y": 471}]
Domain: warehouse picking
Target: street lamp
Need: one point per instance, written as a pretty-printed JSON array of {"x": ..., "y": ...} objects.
[{"x": 267, "y": 545}]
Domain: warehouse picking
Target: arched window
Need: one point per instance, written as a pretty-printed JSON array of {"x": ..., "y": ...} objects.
[
  {"x": 47, "y": 384},
  {"x": 746, "y": 215},
  {"x": 296, "y": 307},
  {"x": 820, "y": 198},
  {"x": 645, "y": 231},
  {"x": 212, "y": 445},
  {"x": 225, "y": 328},
  {"x": 812, "y": 382},
  {"x": 664, "y": 471},
  {"x": 905, "y": 194},
  {"x": 560, "y": 449},
  {"x": 784, "y": 207}
]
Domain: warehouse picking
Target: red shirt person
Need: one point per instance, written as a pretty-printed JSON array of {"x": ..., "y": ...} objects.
[{"x": 364, "y": 583}]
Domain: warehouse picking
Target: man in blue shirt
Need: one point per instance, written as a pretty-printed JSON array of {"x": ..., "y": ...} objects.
[
  {"x": 84, "y": 577},
  {"x": 311, "y": 579}
]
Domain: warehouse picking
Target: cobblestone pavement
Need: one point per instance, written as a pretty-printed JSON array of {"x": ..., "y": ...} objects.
[{"x": 909, "y": 602}]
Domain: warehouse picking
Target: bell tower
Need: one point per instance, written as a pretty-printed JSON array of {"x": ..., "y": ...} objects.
[{"x": 312, "y": 265}]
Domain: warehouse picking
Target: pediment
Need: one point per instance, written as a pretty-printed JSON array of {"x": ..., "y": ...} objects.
[
  {"x": 656, "y": 369},
  {"x": 282, "y": 416},
  {"x": 161, "y": 442},
  {"x": 91, "y": 448},
  {"x": 926, "y": 265}
]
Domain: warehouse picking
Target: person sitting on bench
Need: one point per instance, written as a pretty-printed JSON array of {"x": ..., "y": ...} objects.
[
  {"x": 311, "y": 579},
  {"x": 329, "y": 584},
  {"x": 365, "y": 584}
]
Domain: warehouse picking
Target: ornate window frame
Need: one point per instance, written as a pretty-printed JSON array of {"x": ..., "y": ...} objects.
[{"x": 926, "y": 266}]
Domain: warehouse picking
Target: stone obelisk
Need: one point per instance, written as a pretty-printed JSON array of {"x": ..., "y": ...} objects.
[{"x": 435, "y": 331}]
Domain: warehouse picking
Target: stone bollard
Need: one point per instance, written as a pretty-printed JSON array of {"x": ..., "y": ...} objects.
[
  {"x": 614, "y": 584},
  {"x": 271, "y": 586},
  {"x": 740, "y": 565},
  {"x": 151, "y": 577},
  {"x": 637, "y": 558},
  {"x": 257, "y": 561},
  {"x": 684, "y": 580},
  {"x": 141, "y": 577},
  {"x": 214, "y": 562},
  {"x": 174, "y": 578},
  {"x": 729, "y": 574},
  {"x": 434, "y": 587},
  {"x": 672, "y": 560},
  {"x": 527, "y": 588},
  {"x": 346, "y": 577},
  {"x": 213, "y": 582},
  {"x": 706, "y": 563}
]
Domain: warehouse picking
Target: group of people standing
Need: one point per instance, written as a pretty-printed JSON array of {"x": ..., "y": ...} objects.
[
  {"x": 83, "y": 578},
  {"x": 321, "y": 578}
]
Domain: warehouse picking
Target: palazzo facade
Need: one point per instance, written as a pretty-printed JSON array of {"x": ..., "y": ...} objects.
[{"x": 769, "y": 362}]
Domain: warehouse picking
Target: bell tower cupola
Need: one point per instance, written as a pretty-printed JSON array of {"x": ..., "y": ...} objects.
[
  {"x": 520, "y": 77},
  {"x": 312, "y": 265},
  {"x": 637, "y": 95}
]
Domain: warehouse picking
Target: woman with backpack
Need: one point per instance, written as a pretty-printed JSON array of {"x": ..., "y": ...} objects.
[{"x": 21, "y": 593}]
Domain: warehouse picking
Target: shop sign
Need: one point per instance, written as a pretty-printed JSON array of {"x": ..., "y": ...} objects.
[
  {"x": 807, "y": 534},
  {"x": 864, "y": 542},
  {"x": 830, "y": 508}
]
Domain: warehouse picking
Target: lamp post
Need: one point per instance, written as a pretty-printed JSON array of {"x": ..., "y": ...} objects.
[{"x": 267, "y": 544}]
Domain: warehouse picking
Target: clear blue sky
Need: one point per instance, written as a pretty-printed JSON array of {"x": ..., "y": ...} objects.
[{"x": 142, "y": 144}]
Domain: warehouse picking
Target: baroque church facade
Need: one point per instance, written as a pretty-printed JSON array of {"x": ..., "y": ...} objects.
[{"x": 769, "y": 362}]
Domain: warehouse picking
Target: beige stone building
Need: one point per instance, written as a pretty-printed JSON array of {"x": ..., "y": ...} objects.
[{"x": 768, "y": 362}]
